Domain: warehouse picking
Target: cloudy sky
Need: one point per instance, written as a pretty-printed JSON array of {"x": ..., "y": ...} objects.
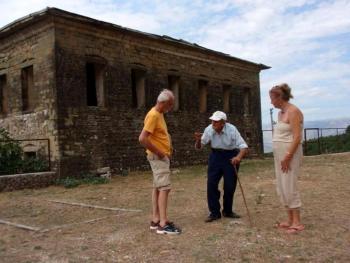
[{"x": 306, "y": 42}]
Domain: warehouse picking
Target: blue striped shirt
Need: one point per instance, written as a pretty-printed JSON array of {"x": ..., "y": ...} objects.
[{"x": 228, "y": 139}]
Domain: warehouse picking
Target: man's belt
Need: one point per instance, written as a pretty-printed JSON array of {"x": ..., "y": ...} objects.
[{"x": 223, "y": 150}]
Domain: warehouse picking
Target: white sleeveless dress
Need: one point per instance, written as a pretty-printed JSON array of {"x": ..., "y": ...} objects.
[{"x": 286, "y": 183}]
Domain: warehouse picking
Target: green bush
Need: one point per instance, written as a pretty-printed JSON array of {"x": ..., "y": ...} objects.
[
  {"x": 11, "y": 157},
  {"x": 34, "y": 164},
  {"x": 10, "y": 154},
  {"x": 69, "y": 182},
  {"x": 330, "y": 144}
]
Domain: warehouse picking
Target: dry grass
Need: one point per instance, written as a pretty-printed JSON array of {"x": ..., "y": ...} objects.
[{"x": 125, "y": 237}]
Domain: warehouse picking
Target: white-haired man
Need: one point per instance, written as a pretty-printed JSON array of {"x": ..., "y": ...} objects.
[
  {"x": 156, "y": 139},
  {"x": 227, "y": 150}
]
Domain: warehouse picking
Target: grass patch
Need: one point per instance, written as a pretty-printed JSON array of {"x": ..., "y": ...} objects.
[
  {"x": 253, "y": 166},
  {"x": 90, "y": 179}
]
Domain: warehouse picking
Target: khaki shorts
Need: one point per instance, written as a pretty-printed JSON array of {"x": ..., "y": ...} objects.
[{"x": 161, "y": 171}]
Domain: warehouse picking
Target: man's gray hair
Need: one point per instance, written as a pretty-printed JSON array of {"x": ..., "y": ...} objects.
[{"x": 165, "y": 95}]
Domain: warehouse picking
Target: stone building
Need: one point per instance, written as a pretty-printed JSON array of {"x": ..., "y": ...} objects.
[{"x": 86, "y": 85}]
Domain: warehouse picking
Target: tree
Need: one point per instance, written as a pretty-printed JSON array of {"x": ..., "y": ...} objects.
[{"x": 347, "y": 130}]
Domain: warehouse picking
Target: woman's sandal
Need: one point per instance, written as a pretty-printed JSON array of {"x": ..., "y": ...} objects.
[
  {"x": 282, "y": 225},
  {"x": 295, "y": 229}
]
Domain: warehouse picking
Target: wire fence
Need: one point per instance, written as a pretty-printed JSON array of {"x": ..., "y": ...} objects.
[{"x": 316, "y": 140}]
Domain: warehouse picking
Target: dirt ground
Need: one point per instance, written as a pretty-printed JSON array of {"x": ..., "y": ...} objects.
[{"x": 66, "y": 233}]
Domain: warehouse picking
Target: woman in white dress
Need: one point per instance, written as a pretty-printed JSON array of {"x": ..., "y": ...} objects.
[{"x": 287, "y": 150}]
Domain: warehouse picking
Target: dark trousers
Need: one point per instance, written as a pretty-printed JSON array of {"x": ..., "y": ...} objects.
[{"x": 220, "y": 165}]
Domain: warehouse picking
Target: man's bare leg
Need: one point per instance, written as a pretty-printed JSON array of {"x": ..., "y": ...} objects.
[
  {"x": 162, "y": 204},
  {"x": 155, "y": 207}
]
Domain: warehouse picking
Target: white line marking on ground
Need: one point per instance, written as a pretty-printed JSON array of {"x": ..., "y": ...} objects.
[
  {"x": 72, "y": 224},
  {"x": 95, "y": 206},
  {"x": 19, "y": 225}
]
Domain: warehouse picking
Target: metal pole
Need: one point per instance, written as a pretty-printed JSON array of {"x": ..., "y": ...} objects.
[
  {"x": 271, "y": 118},
  {"x": 305, "y": 142},
  {"x": 318, "y": 140},
  {"x": 321, "y": 141},
  {"x": 245, "y": 202}
]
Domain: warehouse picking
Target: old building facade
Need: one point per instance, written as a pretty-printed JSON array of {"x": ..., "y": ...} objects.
[{"x": 86, "y": 85}]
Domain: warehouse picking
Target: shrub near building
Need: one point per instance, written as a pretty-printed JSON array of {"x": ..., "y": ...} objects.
[{"x": 11, "y": 157}]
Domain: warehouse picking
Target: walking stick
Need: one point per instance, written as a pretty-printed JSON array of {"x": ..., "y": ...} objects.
[{"x": 245, "y": 202}]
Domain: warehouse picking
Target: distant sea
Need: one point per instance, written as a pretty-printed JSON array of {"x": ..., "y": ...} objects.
[{"x": 327, "y": 123}]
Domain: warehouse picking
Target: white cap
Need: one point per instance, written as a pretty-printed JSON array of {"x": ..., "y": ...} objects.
[{"x": 218, "y": 115}]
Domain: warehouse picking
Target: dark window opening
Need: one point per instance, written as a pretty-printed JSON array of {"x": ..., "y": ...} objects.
[
  {"x": 202, "y": 90},
  {"x": 174, "y": 86},
  {"x": 226, "y": 98},
  {"x": 138, "y": 88},
  {"x": 91, "y": 85},
  {"x": 248, "y": 135},
  {"x": 247, "y": 102},
  {"x": 27, "y": 89},
  {"x": 30, "y": 155},
  {"x": 95, "y": 93},
  {"x": 3, "y": 95}
]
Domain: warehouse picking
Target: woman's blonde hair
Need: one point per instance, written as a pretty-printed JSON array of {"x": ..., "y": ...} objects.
[{"x": 283, "y": 90}]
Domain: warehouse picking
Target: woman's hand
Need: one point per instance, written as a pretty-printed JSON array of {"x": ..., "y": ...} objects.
[{"x": 285, "y": 164}]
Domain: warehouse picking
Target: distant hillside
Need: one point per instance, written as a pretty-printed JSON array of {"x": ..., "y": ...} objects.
[
  {"x": 327, "y": 123},
  {"x": 332, "y": 123}
]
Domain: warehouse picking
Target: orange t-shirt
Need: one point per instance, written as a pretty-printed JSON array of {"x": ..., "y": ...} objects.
[{"x": 155, "y": 124}]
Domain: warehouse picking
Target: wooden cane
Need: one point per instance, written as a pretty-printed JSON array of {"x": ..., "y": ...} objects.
[{"x": 245, "y": 203}]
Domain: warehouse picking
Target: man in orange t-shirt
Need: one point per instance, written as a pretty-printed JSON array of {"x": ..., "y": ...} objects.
[{"x": 156, "y": 139}]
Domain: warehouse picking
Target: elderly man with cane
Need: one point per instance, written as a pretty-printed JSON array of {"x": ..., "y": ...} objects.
[{"x": 227, "y": 150}]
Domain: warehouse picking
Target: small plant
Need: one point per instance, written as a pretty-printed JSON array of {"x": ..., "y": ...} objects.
[
  {"x": 70, "y": 182},
  {"x": 259, "y": 198},
  {"x": 93, "y": 179}
]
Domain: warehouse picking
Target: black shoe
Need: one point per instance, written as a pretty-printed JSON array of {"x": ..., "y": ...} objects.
[
  {"x": 230, "y": 215},
  {"x": 211, "y": 218},
  {"x": 169, "y": 229}
]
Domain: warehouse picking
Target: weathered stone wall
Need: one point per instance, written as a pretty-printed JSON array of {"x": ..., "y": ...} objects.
[
  {"x": 31, "y": 46},
  {"x": 28, "y": 180},
  {"x": 93, "y": 137}
]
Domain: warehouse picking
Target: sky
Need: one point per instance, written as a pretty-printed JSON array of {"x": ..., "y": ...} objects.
[{"x": 305, "y": 42}]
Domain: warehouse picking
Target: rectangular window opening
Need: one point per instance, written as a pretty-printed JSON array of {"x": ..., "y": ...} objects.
[
  {"x": 226, "y": 98},
  {"x": 27, "y": 89},
  {"x": 95, "y": 84},
  {"x": 138, "y": 88},
  {"x": 202, "y": 89},
  {"x": 3, "y": 95},
  {"x": 174, "y": 86},
  {"x": 30, "y": 155},
  {"x": 247, "y": 101}
]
